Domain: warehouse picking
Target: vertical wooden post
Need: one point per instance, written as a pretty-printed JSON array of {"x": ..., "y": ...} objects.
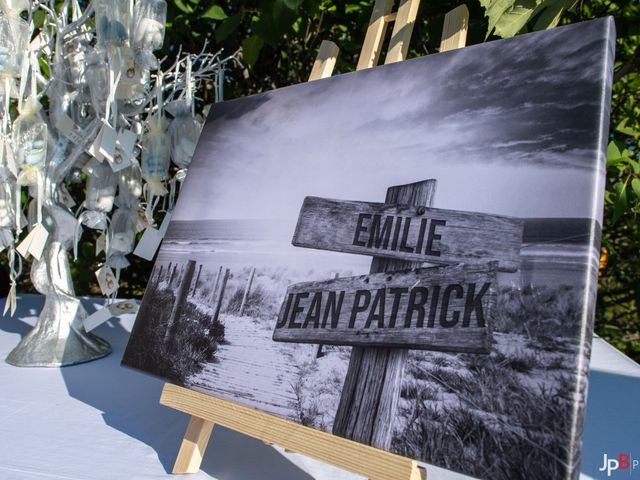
[
  {"x": 325, "y": 61},
  {"x": 181, "y": 298},
  {"x": 195, "y": 285},
  {"x": 371, "y": 390},
  {"x": 374, "y": 377},
  {"x": 154, "y": 279},
  {"x": 246, "y": 290},
  {"x": 172, "y": 274},
  {"x": 193, "y": 446},
  {"x": 372, "y": 45},
  {"x": 159, "y": 276},
  {"x": 402, "y": 30},
  {"x": 220, "y": 296},
  {"x": 454, "y": 31},
  {"x": 215, "y": 286}
]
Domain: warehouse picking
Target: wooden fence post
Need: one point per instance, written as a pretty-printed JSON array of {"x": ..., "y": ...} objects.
[
  {"x": 220, "y": 296},
  {"x": 195, "y": 285},
  {"x": 246, "y": 291},
  {"x": 172, "y": 274},
  {"x": 371, "y": 390},
  {"x": 181, "y": 298},
  {"x": 215, "y": 285},
  {"x": 159, "y": 276}
]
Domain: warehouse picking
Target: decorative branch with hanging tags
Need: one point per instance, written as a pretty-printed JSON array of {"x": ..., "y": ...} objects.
[{"x": 115, "y": 113}]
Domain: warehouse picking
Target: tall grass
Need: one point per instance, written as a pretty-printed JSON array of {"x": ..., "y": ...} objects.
[
  {"x": 506, "y": 415},
  {"x": 539, "y": 311},
  {"x": 496, "y": 425},
  {"x": 192, "y": 343},
  {"x": 257, "y": 304}
]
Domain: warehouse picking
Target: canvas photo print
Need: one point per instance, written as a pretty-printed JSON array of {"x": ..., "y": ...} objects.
[{"x": 405, "y": 256}]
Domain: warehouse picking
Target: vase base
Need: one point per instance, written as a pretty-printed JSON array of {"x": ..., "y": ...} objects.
[{"x": 33, "y": 352}]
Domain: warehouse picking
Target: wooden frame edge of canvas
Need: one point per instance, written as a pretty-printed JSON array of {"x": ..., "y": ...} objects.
[{"x": 206, "y": 410}]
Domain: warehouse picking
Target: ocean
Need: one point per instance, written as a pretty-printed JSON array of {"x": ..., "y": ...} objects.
[{"x": 555, "y": 251}]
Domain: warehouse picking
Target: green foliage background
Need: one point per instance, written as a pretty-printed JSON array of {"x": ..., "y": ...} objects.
[{"x": 280, "y": 39}]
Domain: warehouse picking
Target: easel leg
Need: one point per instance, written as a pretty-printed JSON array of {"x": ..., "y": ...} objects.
[
  {"x": 413, "y": 472},
  {"x": 193, "y": 446}
]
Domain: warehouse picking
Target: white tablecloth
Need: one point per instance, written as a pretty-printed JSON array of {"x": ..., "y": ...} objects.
[{"x": 102, "y": 421}]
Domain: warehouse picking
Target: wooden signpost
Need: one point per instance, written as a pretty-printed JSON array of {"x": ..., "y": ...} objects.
[
  {"x": 441, "y": 308},
  {"x": 374, "y": 372},
  {"x": 410, "y": 233},
  {"x": 399, "y": 305}
]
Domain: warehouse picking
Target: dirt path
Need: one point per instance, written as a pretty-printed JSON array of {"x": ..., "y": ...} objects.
[{"x": 251, "y": 368}]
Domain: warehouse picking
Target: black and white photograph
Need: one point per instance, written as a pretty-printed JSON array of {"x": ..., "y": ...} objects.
[{"x": 405, "y": 256}]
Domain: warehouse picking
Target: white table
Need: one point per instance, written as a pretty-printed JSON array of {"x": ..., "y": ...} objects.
[{"x": 102, "y": 421}]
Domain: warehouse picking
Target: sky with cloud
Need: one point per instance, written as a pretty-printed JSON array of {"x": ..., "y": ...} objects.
[{"x": 511, "y": 127}]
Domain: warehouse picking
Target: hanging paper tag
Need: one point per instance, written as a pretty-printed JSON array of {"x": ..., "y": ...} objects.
[
  {"x": 39, "y": 240},
  {"x": 148, "y": 244},
  {"x": 106, "y": 280},
  {"x": 101, "y": 244},
  {"x": 165, "y": 223},
  {"x": 108, "y": 142},
  {"x": 123, "y": 307},
  {"x": 69, "y": 129},
  {"x": 97, "y": 318},
  {"x": 125, "y": 142},
  {"x": 113, "y": 310},
  {"x": 23, "y": 247},
  {"x": 34, "y": 242},
  {"x": 10, "y": 303},
  {"x": 65, "y": 197},
  {"x": 94, "y": 149}
]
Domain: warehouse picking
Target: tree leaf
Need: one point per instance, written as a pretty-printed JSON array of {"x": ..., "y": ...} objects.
[
  {"x": 274, "y": 23},
  {"x": 251, "y": 49},
  {"x": 623, "y": 128},
  {"x": 293, "y": 4},
  {"x": 353, "y": 7},
  {"x": 621, "y": 203},
  {"x": 614, "y": 156},
  {"x": 508, "y": 17},
  {"x": 552, "y": 11},
  {"x": 215, "y": 12},
  {"x": 635, "y": 186},
  {"x": 515, "y": 18},
  {"x": 494, "y": 9},
  {"x": 229, "y": 26},
  {"x": 186, "y": 8},
  {"x": 38, "y": 19}
]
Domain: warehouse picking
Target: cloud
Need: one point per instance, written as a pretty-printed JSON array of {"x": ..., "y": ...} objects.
[{"x": 532, "y": 102}]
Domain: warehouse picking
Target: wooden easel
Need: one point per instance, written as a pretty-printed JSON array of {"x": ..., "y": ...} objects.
[{"x": 205, "y": 410}]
